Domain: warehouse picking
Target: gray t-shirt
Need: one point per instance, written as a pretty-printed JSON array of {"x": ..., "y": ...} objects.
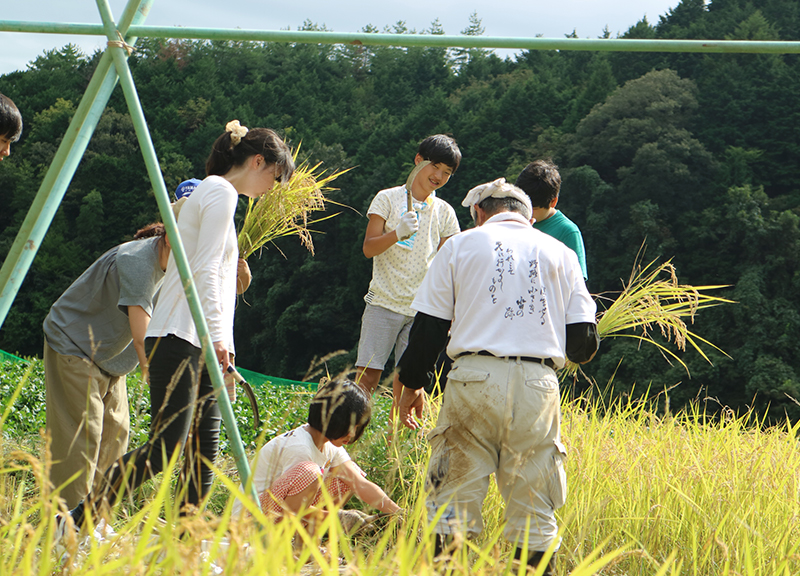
[{"x": 126, "y": 275}]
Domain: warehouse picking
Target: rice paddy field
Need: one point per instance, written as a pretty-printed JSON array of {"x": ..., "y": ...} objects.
[{"x": 650, "y": 493}]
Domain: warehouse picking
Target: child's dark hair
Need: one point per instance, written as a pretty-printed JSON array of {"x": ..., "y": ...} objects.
[
  {"x": 338, "y": 407},
  {"x": 541, "y": 181},
  {"x": 225, "y": 154},
  {"x": 150, "y": 231},
  {"x": 10, "y": 119},
  {"x": 440, "y": 149}
]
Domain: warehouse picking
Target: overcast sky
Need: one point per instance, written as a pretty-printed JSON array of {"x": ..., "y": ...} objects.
[{"x": 508, "y": 18}]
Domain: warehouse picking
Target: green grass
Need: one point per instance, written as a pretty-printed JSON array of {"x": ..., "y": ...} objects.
[{"x": 650, "y": 493}]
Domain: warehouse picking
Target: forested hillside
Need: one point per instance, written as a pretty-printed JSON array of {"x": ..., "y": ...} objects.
[{"x": 694, "y": 155}]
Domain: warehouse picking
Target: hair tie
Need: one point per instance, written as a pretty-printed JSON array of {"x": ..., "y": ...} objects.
[{"x": 237, "y": 131}]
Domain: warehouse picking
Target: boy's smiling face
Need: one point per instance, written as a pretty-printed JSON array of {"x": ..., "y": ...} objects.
[{"x": 432, "y": 177}]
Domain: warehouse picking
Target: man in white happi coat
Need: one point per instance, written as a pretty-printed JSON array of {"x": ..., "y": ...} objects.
[{"x": 516, "y": 304}]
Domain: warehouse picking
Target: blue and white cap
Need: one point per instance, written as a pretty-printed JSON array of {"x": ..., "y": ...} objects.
[{"x": 186, "y": 187}]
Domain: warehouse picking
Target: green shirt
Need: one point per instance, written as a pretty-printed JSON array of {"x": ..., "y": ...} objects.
[{"x": 562, "y": 228}]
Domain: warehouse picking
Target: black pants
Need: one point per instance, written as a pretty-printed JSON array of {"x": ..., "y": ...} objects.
[{"x": 184, "y": 415}]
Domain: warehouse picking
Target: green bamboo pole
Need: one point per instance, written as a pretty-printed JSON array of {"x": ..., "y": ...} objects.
[
  {"x": 423, "y": 40},
  {"x": 461, "y": 41},
  {"x": 53, "y": 27},
  {"x": 178, "y": 251},
  {"x": 62, "y": 169}
]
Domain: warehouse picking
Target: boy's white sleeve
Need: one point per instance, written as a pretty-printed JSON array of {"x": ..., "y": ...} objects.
[
  {"x": 381, "y": 205},
  {"x": 449, "y": 223}
]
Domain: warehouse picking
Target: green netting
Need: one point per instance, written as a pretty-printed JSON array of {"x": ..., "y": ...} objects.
[
  {"x": 254, "y": 378},
  {"x": 6, "y": 357}
]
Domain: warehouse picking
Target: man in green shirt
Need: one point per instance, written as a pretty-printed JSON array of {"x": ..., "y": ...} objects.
[{"x": 541, "y": 181}]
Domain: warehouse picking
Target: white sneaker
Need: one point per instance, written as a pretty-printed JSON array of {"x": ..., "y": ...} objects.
[
  {"x": 213, "y": 567},
  {"x": 103, "y": 532},
  {"x": 65, "y": 529},
  {"x": 66, "y": 535}
]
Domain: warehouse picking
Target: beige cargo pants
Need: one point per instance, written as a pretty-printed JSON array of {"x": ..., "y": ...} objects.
[
  {"x": 499, "y": 416},
  {"x": 87, "y": 419}
]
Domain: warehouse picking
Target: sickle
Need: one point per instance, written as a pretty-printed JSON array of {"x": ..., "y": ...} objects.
[
  {"x": 410, "y": 182},
  {"x": 251, "y": 396}
]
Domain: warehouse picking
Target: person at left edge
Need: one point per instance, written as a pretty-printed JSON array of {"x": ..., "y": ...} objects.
[
  {"x": 10, "y": 125},
  {"x": 183, "y": 401}
]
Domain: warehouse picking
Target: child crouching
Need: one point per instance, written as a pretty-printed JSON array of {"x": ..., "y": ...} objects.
[{"x": 289, "y": 471}]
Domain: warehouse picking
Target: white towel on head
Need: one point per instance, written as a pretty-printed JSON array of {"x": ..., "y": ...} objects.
[{"x": 496, "y": 189}]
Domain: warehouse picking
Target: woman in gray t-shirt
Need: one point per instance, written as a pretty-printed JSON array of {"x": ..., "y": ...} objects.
[{"x": 94, "y": 336}]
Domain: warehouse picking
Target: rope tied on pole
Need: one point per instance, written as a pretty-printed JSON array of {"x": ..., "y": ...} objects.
[{"x": 121, "y": 44}]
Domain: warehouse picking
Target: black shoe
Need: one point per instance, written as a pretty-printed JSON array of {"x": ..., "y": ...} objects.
[
  {"x": 442, "y": 544},
  {"x": 535, "y": 558}
]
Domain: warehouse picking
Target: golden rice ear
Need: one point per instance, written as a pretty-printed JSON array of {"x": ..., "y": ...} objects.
[
  {"x": 653, "y": 299},
  {"x": 286, "y": 210}
]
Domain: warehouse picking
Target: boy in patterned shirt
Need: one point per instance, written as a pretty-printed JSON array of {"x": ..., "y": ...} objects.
[{"x": 402, "y": 244}]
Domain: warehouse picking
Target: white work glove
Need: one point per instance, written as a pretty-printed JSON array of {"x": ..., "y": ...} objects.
[
  {"x": 353, "y": 520},
  {"x": 409, "y": 224}
]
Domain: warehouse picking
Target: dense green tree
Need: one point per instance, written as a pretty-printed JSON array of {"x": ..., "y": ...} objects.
[
  {"x": 600, "y": 84},
  {"x": 650, "y": 171},
  {"x": 693, "y": 155}
]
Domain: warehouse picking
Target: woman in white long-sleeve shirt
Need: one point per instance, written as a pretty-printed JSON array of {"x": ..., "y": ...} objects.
[{"x": 242, "y": 161}]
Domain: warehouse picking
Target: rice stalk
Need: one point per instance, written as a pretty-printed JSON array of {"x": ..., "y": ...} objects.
[
  {"x": 653, "y": 300},
  {"x": 690, "y": 494},
  {"x": 284, "y": 210}
]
